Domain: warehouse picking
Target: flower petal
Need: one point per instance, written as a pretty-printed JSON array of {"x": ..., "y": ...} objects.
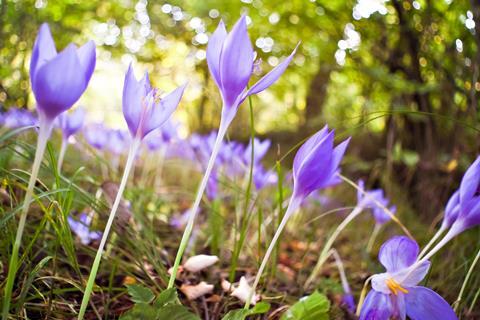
[
  {"x": 267, "y": 80},
  {"x": 43, "y": 50},
  {"x": 87, "y": 57},
  {"x": 452, "y": 210},
  {"x": 307, "y": 147},
  {"x": 214, "y": 50},
  {"x": 59, "y": 83},
  {"x": 314, "y": 170},
  {"x": 398, "y": 253},
  {"x": 133, "y": 93},
  {"x": 163, "y": 110},
  {"x": 470, "y": 182},
  {"x": 236, "y": 62},
  {"x": 377, "y": 306},
  {"x": 339, "y": 152},
  {"x": 409, "y": 278},
  {"x": 425, "y": 304}
]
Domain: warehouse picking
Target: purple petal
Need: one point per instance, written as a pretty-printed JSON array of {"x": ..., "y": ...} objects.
[
  {"x": 338, "y": 153},
  {"x": 267, "y": 80},
  {"x": 452, "y": 210},
  {"x": 314, "y": 170},
  {"x": 71, "y": 122},
  {"x": 360, "y": 194},
  {"x": 133, "y": 93},
  {"x": 87, "y": 57},
  {"x": 95, "y": 235},
  {"x": 43, "y": 50},
  {"x": 214, "y": 50},
  {"x": 164, "y": 109},
  {"x": 416, "y": 276},
  {"x": 307, "y": 147},
  {"x": 59, "y": 83},
  {"x": 398, "y": 253},
  {"x": 470, "y": 182},
  {"x": 425, "y": 304},
  {"x": 469, "y": 216},
  {"x": 377, "y": 306},
  {"x": 236, "y": 62}
]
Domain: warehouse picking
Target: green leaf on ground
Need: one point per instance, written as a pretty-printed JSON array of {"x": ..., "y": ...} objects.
[{"x": 313, "y": 307}]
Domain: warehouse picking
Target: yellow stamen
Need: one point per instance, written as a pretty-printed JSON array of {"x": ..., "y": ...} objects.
[{"x": 395, "y": 286}]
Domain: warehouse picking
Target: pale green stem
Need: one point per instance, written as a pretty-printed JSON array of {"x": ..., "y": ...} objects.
[
  {"x": 193, "y": 211},
  {"x": 43, "y": 134},
  {"x": 96, "y": 263},
  {"x": 341, "y": 271},
  {"x": 292, "y": 208},
  {"x": 363, "y": 294},
  {"x": 61, "y": 155},
  {"x": 474, "y": 301},
  {"x": 373, "y": 237},
  {"x": 432, "y": 241},
  {"x": 325, "y": 252},
  {"x": 465, "y": 282}
]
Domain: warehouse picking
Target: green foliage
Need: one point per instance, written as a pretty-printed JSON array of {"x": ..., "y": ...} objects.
[
  {"x": 242, "y": 314},
  {"x": 140, "y": 294},
  {"x": 166, "y": 306},
  {"x": 313, "y": 307}
]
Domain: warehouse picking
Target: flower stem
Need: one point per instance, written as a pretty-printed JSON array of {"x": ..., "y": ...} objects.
[
  {"x": 193, "y": 211},
  {"x": 292, "y": 207},
  {"x": 341, "y": 271},
  {"x": 449, "y": 236},
  {"x": 373, "y": 237},
  {"x": 96, "y": 263},
  {"x": 61, "y": 155},
  {"x": 432, "y": 241},
  {"x": 363, "y": 294},
  {"x": 465, "y": 282},
  {"x": 245, "y": 215},
  {"x": 44, "y": 133},
  {"x": 326, "y": 249}
]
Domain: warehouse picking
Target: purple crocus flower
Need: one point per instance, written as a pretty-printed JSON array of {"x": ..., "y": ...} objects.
[
  {"x": 469, "y": 200},
  {"x": 370, "y": 199},
  {"x": 230, "y": 58},
  {"x": 316, "y": 163},
  {"x": 262, "y": 177},
  {"x": 260, "y": 150},
  {"x": 59, "y": 79},
  {"x": 16, "y": 118},
  {"x": 396, "y": 294},
  {"x": 349, "y": 301},
  {"x": 118, "y": 141},
  {"x": 82, "y": 228},
  {"x": 96, "y": 135},
  {"x": 143, "y": 109},
  {"x": 71, "y": 122}
]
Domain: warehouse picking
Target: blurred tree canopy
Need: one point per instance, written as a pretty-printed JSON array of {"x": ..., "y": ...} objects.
[{"x": 402, "y": 76}]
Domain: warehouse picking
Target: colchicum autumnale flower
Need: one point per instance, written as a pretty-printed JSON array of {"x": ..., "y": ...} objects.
[
  {"x": 58, "y": 80},
  {"x": 144, "y": 112},
  {"x": 462, "y": 211},
  {"x": 396, "y": 293},
  {"x": 230, "y": 59},
  {"x": 315, "y": 166},
  {"x": 81, "y": 228}
]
